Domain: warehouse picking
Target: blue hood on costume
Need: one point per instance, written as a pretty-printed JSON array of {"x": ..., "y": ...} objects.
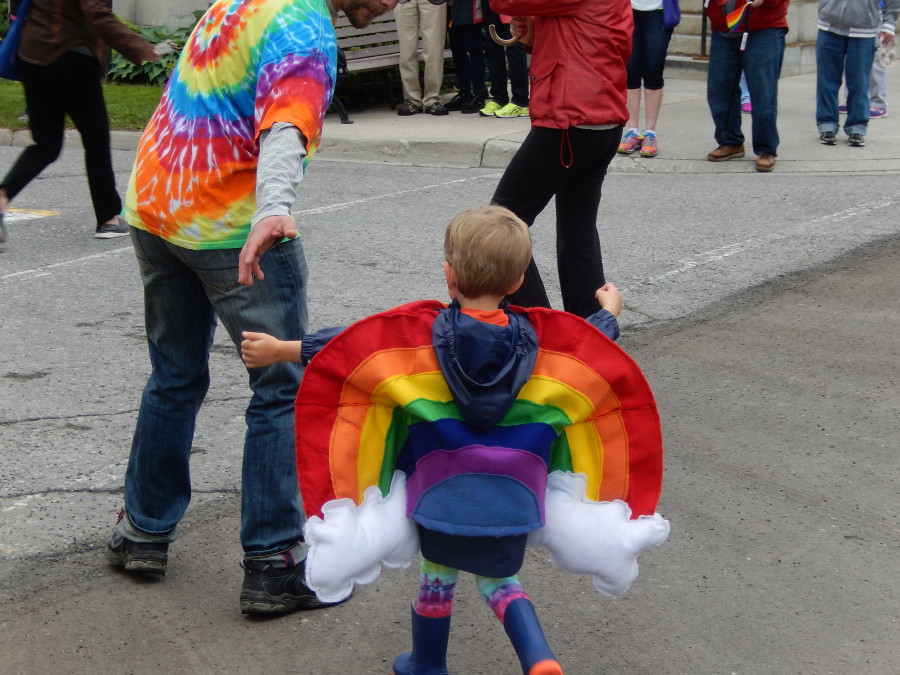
[{"x": 484, "y": 365}]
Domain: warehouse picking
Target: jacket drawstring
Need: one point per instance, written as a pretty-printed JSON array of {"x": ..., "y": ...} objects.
[{"x": 565, "y": 143}]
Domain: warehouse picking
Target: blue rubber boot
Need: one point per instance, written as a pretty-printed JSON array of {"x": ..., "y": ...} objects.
[
  {"x": 524, "y": 630},
  {"x": 429, "y": 653}
]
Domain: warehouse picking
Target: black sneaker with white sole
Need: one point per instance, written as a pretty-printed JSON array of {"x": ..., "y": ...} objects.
[
  {"x": 827, "y": 138},
  {"x": 111, "y": 230},
  {"x": 275, "y": 589},
  {"x": 856, "y": 141},
  {"x": 137, "y": 556}
]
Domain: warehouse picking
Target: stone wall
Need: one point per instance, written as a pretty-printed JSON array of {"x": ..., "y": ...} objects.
[{"x": 171, "y": 13}]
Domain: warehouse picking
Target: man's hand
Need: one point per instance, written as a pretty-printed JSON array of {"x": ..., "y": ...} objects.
[
  {"x": 523, "y": 28},
  {"x": 264, "y": 235}
]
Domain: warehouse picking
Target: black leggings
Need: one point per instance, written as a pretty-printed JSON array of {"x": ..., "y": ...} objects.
[
  {"x": 70, "y": 85},
  {"x": 570, "y": 164}
]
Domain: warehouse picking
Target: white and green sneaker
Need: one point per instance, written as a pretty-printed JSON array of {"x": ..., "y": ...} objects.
[
  {"x": 489, "y": 109},
  {"x": 512, "y": 110}
]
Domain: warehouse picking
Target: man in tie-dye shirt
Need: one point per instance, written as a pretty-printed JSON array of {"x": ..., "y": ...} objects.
[{"x": 225, "y": 152}]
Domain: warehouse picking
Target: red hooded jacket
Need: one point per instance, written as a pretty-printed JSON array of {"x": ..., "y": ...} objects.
[{"x": 577, "y": 60}]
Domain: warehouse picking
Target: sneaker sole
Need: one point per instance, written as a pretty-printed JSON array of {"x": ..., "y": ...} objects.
[
  {"x": 109, "y": 235},
  {"x": 155, "y": 567},
  {"x": 263, "y": 603}
]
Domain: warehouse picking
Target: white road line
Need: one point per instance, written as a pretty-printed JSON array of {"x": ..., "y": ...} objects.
[
  {"x": 15, "y": 216},
  {"x": 722, "y": 252},
  {"x": 356, "y": 202},
  {"x": 47, "y": 269}
]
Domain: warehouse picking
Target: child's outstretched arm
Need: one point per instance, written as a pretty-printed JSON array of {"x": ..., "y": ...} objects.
[
  {"x": 261, "y": 349},
  {"x": 609, "y": 298},
  {"x": 604, "y": 320}
]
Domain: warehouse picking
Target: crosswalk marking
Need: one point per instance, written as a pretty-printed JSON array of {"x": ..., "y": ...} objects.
[{"x": 27, "y": 214}]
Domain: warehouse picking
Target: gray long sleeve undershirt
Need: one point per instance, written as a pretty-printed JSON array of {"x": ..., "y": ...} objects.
[{"x": 279, "y": 171}]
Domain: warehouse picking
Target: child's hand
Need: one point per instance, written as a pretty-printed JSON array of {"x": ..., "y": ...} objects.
[
  {"x": 259, "y": 349},
  {"x": 609, "y": 298}
]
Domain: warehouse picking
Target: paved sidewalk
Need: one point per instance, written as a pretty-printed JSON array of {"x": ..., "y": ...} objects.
[{"x": 685, "y": 137}]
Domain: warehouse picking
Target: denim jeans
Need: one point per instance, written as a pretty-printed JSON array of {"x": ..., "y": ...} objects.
[
  {"x": 496, "y": 56},
  {"x": 184, "y": 291},
  {"x": 761, "y": 62},
  {"x": 839, "y": 56},
  {"x": 650, "y": 43},
  {"x": 468, "y": 58}
]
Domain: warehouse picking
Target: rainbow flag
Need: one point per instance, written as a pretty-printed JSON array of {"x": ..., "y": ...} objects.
[{"x": 736, "y": 16}]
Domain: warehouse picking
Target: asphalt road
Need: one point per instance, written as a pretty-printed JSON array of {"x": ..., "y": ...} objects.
[{"x": 765, "y": 315}]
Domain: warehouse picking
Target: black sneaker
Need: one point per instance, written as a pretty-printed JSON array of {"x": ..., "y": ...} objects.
[
  {"x": 856, "y": 141},
  {"x": 437, "y": 109},
  {"x": 827, "y": 138},
  {"x": 458, "y": 101},
  {"x": 408, "y": 108},
  {"x": 111, "y": 230},
  {"x": 473, "y": 105},
  {"x": 276, "y": 590},
  {"x": 137, "y": 556}
]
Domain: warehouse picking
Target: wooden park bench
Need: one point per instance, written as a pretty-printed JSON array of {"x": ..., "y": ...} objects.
[{"x": 373, "y": 48}]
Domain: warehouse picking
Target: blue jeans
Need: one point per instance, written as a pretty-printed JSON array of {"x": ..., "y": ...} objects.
[
  {"x": 650, "y": 43},
  {"x": 837, "y": 56},
  {"x": 468, "y": 58},
  {"x": 761, "y": 63},
  {"x": 184, "y": 292},
  {"x": 496, "y": 57}
]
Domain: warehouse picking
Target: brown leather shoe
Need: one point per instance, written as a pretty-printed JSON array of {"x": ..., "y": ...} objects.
[
  {"x": 765, "y": 163},
  {"x": 724, "y": 152}
]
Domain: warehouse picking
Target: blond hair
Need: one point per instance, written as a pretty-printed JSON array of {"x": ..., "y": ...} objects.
[{"x": 489, "y": 248}]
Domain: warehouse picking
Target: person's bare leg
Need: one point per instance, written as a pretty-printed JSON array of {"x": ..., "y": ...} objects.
[
  {"x": 652, "y": 105},
  {"x": 634, "y": 108}
]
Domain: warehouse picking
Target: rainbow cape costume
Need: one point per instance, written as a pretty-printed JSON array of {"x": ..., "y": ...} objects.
[{"x": 378, "y": 430}]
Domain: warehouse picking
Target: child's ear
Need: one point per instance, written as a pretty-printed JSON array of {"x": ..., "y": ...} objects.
[
  {"x": 450, "y": 275},
  {"x": 516, "y": 286}
]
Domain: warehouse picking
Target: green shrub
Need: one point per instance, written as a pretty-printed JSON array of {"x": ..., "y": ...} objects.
[
  {"x": 4, "y": 17},
  {"x": 123, "y": 71}
]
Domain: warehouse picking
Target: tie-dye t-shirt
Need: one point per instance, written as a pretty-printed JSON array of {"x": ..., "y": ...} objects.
[{"x": 247, "y": 65}]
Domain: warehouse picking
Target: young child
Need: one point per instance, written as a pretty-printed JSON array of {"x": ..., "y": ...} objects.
[{"x": 473, "y": 446}]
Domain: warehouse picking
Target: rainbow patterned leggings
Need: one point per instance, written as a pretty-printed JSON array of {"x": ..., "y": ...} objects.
[{"x": 437, "y": 585}]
